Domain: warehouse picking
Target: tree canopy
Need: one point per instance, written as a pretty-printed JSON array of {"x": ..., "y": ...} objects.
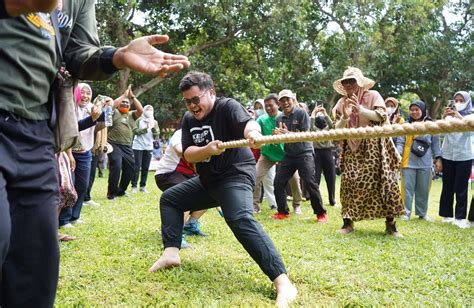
[{"x": 252, "y": 48}]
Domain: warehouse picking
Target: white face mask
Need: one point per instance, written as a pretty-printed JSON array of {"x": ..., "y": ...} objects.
[
  {"x": 460, "y": 106},
  {"x": 390, "y": 110},
  {"x": 259, "y": 112},
  {"x": 148, "y": 114}
]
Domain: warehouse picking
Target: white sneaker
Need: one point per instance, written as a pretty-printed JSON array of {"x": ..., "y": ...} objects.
[
  {"x": 143, "y": 190},
  {"x": 298, "y": 210},
  {"x": 405, "y": 217},
  {"x": 66, "y": 226},
  {"x": 426, "y": 218},
  {"x": 78, "y": 221},
  {"x": 447, "y": 220},
  {"x": 92, "y": 203},
  {"x": 134, "y": 190},
  {"x": 461, "y": 223}
]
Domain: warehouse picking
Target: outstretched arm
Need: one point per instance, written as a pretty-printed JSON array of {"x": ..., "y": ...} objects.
[{"x": 140, "y": 55}]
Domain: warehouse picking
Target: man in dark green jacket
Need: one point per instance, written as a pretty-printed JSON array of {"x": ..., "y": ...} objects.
[{"x": 29, "y": 252}]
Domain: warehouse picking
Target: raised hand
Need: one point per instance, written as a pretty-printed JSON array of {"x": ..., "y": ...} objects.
[{"x": 140, "y": 55}]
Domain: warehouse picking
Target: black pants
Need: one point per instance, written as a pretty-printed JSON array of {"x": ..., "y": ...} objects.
[
  {"x": 29, "y": 199},
  {"x": 94, "y": 164},
  {"x": 455, "y": 181},
  {"x": 471, "y": 211},
  {"x": 305, "y": 167},
  {"x": 324, "y": 161},
  {"x": 142, "y": 162},
  {"x": 121, "y": 166},
  {"x": 236, "y": 201},
  {"x": 170, "y": 179}
]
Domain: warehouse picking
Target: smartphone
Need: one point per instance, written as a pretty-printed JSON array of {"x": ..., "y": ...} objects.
[{"x": 450, "y": 104}]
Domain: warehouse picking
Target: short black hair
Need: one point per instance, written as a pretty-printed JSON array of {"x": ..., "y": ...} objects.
[
  {"x": 271, "y": 96},
  {"x": 202, "y": 80}
]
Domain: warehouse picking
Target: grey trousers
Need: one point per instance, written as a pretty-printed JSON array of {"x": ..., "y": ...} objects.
[{"x": 416, "y": 183}]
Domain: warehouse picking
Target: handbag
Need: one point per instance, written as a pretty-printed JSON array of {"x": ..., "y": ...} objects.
[
  {"x": 419, "y": 147},
  {"x": 67, "y": 192},
  {"x": 63, "y": 113}
]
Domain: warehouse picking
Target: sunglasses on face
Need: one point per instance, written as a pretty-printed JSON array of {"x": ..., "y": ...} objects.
[
  {"x": 194, "y": 100},
  {"x": 348, "y": 82}
]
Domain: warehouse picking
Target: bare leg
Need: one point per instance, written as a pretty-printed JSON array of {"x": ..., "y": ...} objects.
[
  {"x": 286, "y": 291},
  {"x": 198, "y": 214},
  {"x": 169, "y": 258}
]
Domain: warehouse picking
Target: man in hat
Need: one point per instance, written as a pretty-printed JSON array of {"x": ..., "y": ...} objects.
[
  {"x": 370, "y": 167},
  {"x": 225, "y": 178},
  {"x": 298, "y": 156}
]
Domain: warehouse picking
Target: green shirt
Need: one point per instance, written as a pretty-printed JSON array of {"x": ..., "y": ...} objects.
[
  {"x": 121, "y": 131},
  {"x": 28, "y": 56},
  {"x": 273, "y": 152}
]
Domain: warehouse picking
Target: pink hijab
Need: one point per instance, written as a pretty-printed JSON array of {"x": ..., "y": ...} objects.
[{"x": 77, "y": 91}]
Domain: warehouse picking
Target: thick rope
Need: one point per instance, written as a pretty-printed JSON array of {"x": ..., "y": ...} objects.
[{"x": 395, "y": 130}]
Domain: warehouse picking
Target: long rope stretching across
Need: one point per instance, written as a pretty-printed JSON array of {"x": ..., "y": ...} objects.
[{"x": 395, "y": 130}]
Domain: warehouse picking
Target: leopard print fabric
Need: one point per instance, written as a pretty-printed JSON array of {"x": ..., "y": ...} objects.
[{"x": 369, "y": 181}]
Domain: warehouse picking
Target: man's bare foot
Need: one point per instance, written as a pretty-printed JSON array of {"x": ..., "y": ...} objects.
[
  {"x": 286, "y": 291},
  {"x": 170, "y": 258}
]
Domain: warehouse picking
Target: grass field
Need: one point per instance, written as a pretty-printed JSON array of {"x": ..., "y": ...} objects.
[{"x": 433, "y": 265}]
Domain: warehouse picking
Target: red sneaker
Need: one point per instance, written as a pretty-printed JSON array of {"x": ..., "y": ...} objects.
[
  {"x": 321, "y": 218},
  {"x": 280, "y": 216}
]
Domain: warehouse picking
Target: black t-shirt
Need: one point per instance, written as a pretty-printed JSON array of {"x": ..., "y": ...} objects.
[{"x": 225, "y": 122}]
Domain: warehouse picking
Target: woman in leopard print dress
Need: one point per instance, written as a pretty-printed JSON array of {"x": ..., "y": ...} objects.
[{"x": 370, "y": 167}]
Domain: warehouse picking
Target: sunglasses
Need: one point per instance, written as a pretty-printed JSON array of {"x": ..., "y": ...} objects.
[
  {"x": 347, "y": 82},
  {"x": 194, "y": 100}
]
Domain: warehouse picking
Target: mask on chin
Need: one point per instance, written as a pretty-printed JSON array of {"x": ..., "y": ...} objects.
[{"x": 123, "y": 109}]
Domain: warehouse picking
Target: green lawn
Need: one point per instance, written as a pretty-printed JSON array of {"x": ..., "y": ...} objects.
[{"x": 432, "y": 265}]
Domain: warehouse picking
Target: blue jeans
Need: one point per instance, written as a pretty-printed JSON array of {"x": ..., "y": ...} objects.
[
  {"x": 236, "y": 201},
  {"x": 81, "y": 177}
]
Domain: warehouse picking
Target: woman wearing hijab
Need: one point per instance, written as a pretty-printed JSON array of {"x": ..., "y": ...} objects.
[
  {"x": 87, "y": 115},
  {"x": 457, "y": 155},
  {"x": 145, "y": 132},
  {"x": 369, "y": 180},
  {"x": 417, "y": 153},
  {"x": 393, "y": 111}
]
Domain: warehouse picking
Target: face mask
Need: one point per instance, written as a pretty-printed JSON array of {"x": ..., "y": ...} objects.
[
  {"x": 320, "y": 122},
  {"x": 460, "y": 106},
  {"x": 259, "y": 112},
  {"x": 148, "y": 114},
  {"x": 124, "y": 109},
  {"x": 390, "y": 110}
]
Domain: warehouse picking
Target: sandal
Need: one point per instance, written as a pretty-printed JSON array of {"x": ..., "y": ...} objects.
[{"x": 66, "y": 238}]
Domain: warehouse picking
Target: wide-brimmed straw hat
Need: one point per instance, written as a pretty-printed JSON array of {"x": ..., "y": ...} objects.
[{"x": 353, "y": 73}]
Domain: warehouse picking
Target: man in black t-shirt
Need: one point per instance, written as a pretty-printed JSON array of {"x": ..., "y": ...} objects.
[
  {"x": 225, "y": 178},
  {"x": 298, "y": 156}
]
